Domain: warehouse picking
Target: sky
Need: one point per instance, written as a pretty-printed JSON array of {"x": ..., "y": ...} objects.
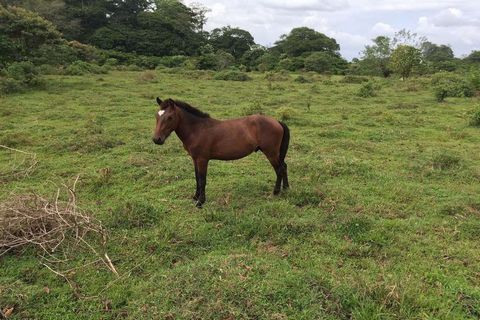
[{"x": 353, "y": 23}]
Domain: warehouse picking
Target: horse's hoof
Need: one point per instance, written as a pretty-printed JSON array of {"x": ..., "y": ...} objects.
[
  {"x": 199, "y": 205},
  {"x": 276, "y": 192}
]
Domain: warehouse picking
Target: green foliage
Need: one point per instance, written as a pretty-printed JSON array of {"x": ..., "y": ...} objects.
[
  {"x": 277, "y": 76},
  {"x": 305, "y": 40},
  {"x": 354, "y": 79},
  {"x": 367, "y": 90},
  {"x": 19, "y": 76},
  {"x": 291, "y": 64},
  {"x": 251, "y": 58},
  {"x": 234, "y": 41},
  {"x": 302, "y": 79},
  {"x": 232, "y": 75},
  {"x": 254, "y": 108},
  {"x": 475, "y": 118},
  {"x": 172, "y": 61},
  {"x": 376, "y": 57},
  {"x": 79, "y": 68},
  {"x": 447, "y": 84},
  {"x": 404, "y": 59},
  {"x": 321, "y": 62},
  {"x": 286, "y": 113},
  {"x": 22, "y": 33}
]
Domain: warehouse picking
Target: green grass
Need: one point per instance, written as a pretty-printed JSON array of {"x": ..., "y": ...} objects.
[{"x": 382, "y": 220}]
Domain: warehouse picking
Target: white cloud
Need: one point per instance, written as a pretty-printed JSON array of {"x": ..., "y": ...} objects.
[
  {"x": 453, "y": 17},
  {"x": 381, "y": 28},
  {"x": 353, "y": 22},
  {"x": 310, "y": 5}
]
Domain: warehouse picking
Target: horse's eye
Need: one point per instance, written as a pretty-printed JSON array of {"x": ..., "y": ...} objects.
[{"x": 169, "y": 118}]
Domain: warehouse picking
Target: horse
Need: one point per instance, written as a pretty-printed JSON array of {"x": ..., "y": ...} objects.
[{"x": 206, "y": 138}]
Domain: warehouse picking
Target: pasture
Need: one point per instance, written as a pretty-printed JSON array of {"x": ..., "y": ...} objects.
[{"x": 382, "y": 220}]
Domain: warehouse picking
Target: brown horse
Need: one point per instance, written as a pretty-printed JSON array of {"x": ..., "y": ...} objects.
[{"x": 206, "y": 138}]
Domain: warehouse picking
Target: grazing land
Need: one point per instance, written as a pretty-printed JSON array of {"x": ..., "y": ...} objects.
[{"x": 382, "y": 220}]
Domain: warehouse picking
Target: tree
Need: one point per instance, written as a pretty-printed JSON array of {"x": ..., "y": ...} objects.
[
  {"x": 22, "y": 33},
  {"x": 232, "y": 40},
  {"x": 473, "y": 57},
  {"x": 377, "y": 56},
  {"x": 167, "y": 28},
  {"x": 436, "y": 53},
  {"x": 251, "y": 58},
  {"x": 303, "y": 41},
  {"x": 406, "y": 37},
  {"x": 324, "y": 62},
  {"x": 404, "y": 59}
]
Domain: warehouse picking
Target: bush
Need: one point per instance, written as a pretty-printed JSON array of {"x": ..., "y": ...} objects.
[
  {"x": 255, "y": 108},
  {"x": 286, "y": 113},
  {"x": 19, "y": 76},
  {"x": 232, "y": 75},
  {"x": 451, "y": 85},
  {"x": 291, "y": 64},
  {"x": 277, "y": 76},
  {"x": 79, "y": 68},
  {"x": 147, "y": 76},
  {"x": 367, "y": 90},
  {"x": 323, "y": 62},
  {"x": 173, "y": 61},
  {"x": 354, "y": 79},
  {"x": 475, "y": 120},
  {"x": 302, "y": 79}
]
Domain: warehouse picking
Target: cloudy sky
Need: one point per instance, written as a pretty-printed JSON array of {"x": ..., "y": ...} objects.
[{"x": 353, "y": 23}]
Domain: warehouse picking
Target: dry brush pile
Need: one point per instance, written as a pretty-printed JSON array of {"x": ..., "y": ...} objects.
[{"x": 53, "y": 228}]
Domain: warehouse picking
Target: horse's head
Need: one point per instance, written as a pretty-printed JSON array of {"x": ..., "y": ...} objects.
[{"x": 167, "y": 120}]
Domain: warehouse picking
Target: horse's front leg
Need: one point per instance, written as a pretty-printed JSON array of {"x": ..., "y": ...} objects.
[
  {"x": 202, "y": 165},
  {"x": 197, "y": 191}
]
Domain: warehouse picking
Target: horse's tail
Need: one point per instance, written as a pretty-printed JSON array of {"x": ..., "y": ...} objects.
[{"x": 285, "y": 142}]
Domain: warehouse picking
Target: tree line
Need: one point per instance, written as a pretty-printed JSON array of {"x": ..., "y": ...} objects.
[{"x": 149, "y": 33}]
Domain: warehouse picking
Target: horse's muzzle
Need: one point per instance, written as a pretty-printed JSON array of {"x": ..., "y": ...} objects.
[{"x": 158, "y": 141}]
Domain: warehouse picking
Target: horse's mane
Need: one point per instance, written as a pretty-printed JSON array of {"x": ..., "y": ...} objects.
[{"x": 188, "y": 108}]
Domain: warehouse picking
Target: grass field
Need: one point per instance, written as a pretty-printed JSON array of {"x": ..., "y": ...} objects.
[{"x": 382, "y": 220}]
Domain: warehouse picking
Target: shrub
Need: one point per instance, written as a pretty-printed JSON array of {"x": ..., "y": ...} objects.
[
  {"x": 277, "y": 76},
  {"x": 79, "y": 68},
  {"x": 232, "y": 75},
  {"x": 451, "y": 85},
  {"x": 147, "y": 76},
  {"x": 475, "y": 120},
  {"x": 19, "y": 76},
  {"x": 173, "y": 61},
  {"x": 255, "y": 108},
  {"x": 286, "y": 113},
  {"x": 302, "y": 79},
  {"x": 291, "y": 64},
  {"x": 367, "y": 90},
  {"x": 354, "y": 79}
]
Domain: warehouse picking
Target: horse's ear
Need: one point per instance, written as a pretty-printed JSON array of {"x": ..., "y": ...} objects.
[
  {"x": 159, "y": 101},
  {"x": 169, "y": 103}
]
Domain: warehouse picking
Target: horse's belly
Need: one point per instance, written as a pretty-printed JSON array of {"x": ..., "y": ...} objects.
[
  {"x": 231, "y": 154},
  {"x": 232, "y": 150}
]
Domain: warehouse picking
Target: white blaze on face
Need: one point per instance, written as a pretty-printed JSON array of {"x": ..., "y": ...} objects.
[{"x": 161, "y": 112}]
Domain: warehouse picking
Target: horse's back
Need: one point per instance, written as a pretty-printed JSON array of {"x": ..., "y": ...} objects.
[{"x": 236, "y": 138}]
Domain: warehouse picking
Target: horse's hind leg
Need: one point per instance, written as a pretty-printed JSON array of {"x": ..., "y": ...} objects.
[
  {"x": 285, "y": 176},
  {"x": 274, "y": 161}
]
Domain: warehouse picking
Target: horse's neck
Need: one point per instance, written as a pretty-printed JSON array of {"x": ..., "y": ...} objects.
[{"x": 189, "y": 126}]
